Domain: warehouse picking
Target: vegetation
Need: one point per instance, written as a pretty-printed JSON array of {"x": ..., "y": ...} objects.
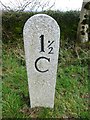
[
  {"x": 72, "y": 86},
  {"x": 13, "y": 24}
]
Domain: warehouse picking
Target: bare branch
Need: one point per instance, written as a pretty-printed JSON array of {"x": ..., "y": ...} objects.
[
  {"x": 22, "y": 5},
  {"x": 6, "y": 7},
  {"x": 25, "y": 5}
]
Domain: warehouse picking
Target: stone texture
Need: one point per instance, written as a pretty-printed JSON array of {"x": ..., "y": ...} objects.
[
  {"x": 83, "y": 26},
  {"x": 41, "y": 41}
]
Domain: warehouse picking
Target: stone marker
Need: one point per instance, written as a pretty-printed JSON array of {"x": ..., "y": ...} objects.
[{"x": 41, "y": 41}]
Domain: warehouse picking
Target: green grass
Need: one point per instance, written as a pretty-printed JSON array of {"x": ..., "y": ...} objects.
[{"x": 71, "y": 96}]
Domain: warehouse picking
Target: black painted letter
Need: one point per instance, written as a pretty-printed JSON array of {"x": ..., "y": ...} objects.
[{"x": 42, "y": 71}]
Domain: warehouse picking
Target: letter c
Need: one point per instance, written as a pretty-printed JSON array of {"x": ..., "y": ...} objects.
[{"x": 48, "y": 59}]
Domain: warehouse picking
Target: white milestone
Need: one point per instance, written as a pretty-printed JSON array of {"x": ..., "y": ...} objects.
[{"x": 41, "y": 42}]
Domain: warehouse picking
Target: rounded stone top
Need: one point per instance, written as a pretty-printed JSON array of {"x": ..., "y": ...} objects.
[{"x": 41, "y": 20}]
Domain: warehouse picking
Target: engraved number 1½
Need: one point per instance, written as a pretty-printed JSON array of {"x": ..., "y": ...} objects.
[{"x": 42, "y": 43}]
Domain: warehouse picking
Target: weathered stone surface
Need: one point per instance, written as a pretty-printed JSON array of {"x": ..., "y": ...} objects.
[
  {"x": 83, "y": 26},
  {"x": 41, "y": 42}
]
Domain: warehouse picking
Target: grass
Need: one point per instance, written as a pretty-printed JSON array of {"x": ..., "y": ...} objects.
[{"x": 71, "y": 97}]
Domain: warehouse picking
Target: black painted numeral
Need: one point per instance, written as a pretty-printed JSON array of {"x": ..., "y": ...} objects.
[
  {"x": 49, "y": 46},
  {"x": 42, "y": 43},
  {"x": 51, "y": 50}
]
